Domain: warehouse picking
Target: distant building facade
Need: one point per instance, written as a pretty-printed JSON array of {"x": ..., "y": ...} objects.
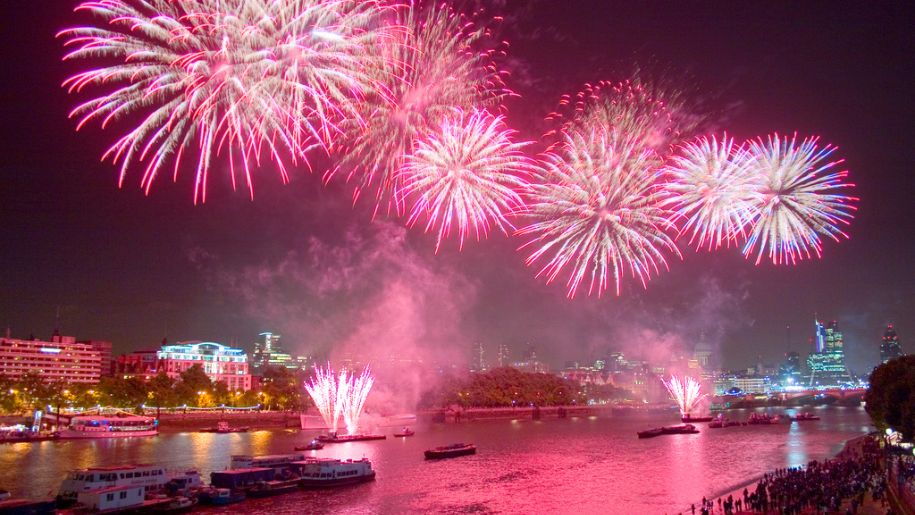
[
  {"x": 104, "y": 349},
  {"x": 269, "y": 353},
  {"x": 61, "y": 359},
  {"x": 827, "y": 365},
  {"x": 219, "y": 362},
  {"x": 142, "y": 363},
  {"x": 889, "y": 346}
]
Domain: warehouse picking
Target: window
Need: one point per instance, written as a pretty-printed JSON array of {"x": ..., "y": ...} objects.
[
  {"x": 109, "y": 497},
  {"x": 123, "y": 495}
]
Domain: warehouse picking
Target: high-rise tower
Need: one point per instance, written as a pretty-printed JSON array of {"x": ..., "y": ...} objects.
[
  {"x": 827, "y": 363},
  {"x": 889, "y": 347}
]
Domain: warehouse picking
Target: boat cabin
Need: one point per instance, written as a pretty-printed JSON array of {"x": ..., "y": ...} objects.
[
  {"x": 276, "y": 461},
  {"x": 149, "y": 477},
  {"x": 113, "y": 498},
  {"x": 240, "y": 478}
]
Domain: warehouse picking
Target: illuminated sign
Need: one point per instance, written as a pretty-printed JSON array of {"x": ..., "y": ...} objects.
[{"x": 49, "y": 350}]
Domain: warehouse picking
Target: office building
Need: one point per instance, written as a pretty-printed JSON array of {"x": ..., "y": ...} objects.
[
  {"x": 219, "y": 362},
  {"x": 61, "y": 359},
  {"x": 889, "y": 346}
]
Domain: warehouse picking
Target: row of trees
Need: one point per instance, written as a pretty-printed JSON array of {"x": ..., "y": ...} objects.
[
  {"x": 503, "y": 387},
  {"x": 280, "y": 389},
  {"x": 891, "y": 396}
]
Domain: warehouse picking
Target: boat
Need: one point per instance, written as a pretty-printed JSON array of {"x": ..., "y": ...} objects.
[
  {"x": 682, "y": 429},
  {"x": 801, "y": 417},
  {"x": 220, "y": 496},
  {"x": 274, "y": 487},
  {"x": 688, "y": 418},
  {"x": 313, "y": 445},
  {"x": 720, "y": 422},
  {"x": 329, "y": 472},
  {"x": 273, "y": 461},
  {"x": 223, "y": 427},
  {"x": 333, "y": 438},
  {"x": 450, "y": 451},
  {"x": 110, "y": 426},
  {"x": 406, "y": 431},
  {"x": 150, "y": 478},
  {"x": 765, "y": 419},
  {"x": 178, "y": 504}
]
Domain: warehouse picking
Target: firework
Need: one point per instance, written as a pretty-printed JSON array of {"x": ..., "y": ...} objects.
[
  {"x": 685, "y": 392},
  {"x": 433, "y": 71},
  {"x": 341, "y": 396},
  {"x": 711, "y": 186},
  {"x": 467, "y": 173},
  {"x": 252, "y": 79},
  {"x": 656, "y": 117},
  {"x": 800, "y": 199},
  {"x": 596, "y": 211}
]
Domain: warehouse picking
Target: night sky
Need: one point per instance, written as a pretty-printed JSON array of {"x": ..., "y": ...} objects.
[{"x": 300, "y": 260}]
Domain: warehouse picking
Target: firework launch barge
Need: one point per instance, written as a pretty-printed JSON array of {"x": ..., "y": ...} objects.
[
  {"x": 333, "y": 438},
  {"x": 682, "y": 429}
]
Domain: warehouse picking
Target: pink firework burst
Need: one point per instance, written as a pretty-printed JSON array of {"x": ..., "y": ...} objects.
[
  {"x": 467, "y": 174},
  {"x": 252, "y": 79}
]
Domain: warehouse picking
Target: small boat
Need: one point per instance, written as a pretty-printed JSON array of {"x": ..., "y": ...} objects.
[
  {"x": 668, "y": 430},
  {"x": 220, "y": 496},
  {"x": 450, "y": 451},
  {"x": 328, "y": 472},
  {"x": 223, "y": 427},
  {"x": 313, "y": 445},
  {"x": 763, "y": 420},
  {"x": 275, "y": 487},
  {"x": 178, "y": 504},
  {"x": 689, "y": 418},
  {"x": 405, "y": 432},
  {"x": 801, "y": 417}
]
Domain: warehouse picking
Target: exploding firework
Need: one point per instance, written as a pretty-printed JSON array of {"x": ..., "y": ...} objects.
[
  {"x": 251, "y": 79},
  {"x": 596, "y": 211},
  {"x": 685, "y": 392},
  {"x": 467, "y": 173},
  {"x": 433, "y": 71},
  {"x": 653, "y": 116},
  {"x": 711, "y": 186},
  {"x": 800, "y": 199},
  {"x": 341, "y": 396}
]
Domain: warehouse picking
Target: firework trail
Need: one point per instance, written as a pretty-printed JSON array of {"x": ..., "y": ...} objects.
[
  {"x": 595, "y": 211},
  {"x": 711, "y": 185},
  {"x": 435, "y": 70},
  {"x": 800, "y": 199},
  {"x": 357, "y": 390},
  {"x": 685, "y": 392},
  {"x": 252, "y": 79},
  {"x": 341, "y": 396},
  {"x": 467, "y": 173}
]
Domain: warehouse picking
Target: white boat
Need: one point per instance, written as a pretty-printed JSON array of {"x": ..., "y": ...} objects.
[
  {"x": 113, "y": 426},
  {"x": 113, "y": 499},
  {"x": 151, "y": 478},
  {"x": 328, "y": 472}
]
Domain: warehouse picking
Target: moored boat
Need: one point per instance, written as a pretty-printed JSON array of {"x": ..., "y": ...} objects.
[
  {"x": 682, "y": 429},
  {"x": 406, "y": 431},
  {"x": 223, "y": 427},
  {"x": 333, "y": 438},
  {"x": 150, "y": 478},
  {"x": 689, "y": 418},
  {"x": 220, "y": 496},
  {"x": 450, "y": 451},
  {"x": 313, "y": 445},
  {"x": 765, "y": 419},
  {"x": 328, "y": 472},
  {"x": 801, "y": 417},
  {"x": 651, "y": 433},
  {"x": 120, "y": 425},
  {"x": 273, "y": 487},
  {"x": 273, "y": 461}
]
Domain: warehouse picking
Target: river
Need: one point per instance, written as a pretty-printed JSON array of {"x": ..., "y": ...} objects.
[{"x": 576, "y": 465}]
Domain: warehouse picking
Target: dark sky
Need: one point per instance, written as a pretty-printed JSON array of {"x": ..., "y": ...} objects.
[{"x": 299, "y": 260}]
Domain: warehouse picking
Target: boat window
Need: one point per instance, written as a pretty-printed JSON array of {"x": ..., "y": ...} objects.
[
  {"x": 146, "y": 473},
  {"x": 109, "y": 497},
  {"x": 123, "y": 495}
]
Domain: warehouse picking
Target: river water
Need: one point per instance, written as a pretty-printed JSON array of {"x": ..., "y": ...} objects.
[{"x": 576, "y": 465}]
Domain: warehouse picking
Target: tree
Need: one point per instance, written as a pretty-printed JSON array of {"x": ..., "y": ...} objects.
[
  {"x": 162, "y": 391},
  {"x": 891, "y": 396},
  {"x": 191, "y": 382},
  {"x": 282, "y": 389}
]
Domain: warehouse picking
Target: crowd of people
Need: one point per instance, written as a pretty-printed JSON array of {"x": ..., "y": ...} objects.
[{"x": 832, "y": 486}]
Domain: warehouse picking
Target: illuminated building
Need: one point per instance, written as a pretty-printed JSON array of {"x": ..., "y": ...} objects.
[
  {"x": 827, "y": 364},
  {"x": 61, "y": 359},
  {"x": 478, "y": 361},
  {"x": 889, "y": 347},
  {"x": 789, "y": 372},
  {"x": 219, "y": 362},
  {"x": 504, "y": 359},
  {"x": 269, "y": 353},
  {"x": 104, "y": 349},
  {"x": 142, "y": 363}
]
